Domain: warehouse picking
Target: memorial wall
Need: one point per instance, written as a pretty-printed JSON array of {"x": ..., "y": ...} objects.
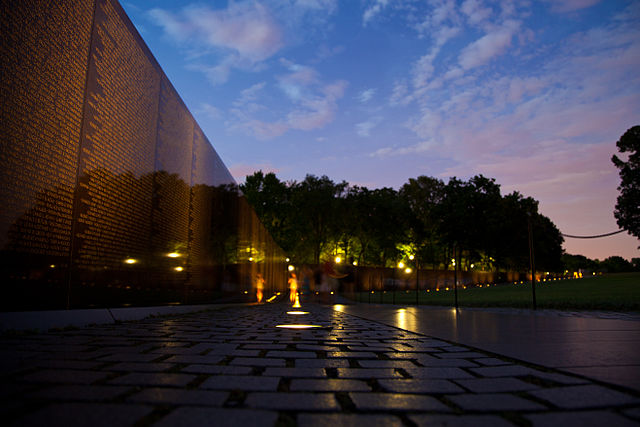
[{"x": 110, "y": 193}]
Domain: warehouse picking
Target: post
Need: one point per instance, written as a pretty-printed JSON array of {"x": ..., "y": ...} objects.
[
  {"x": 532, "y": 263},
  {"x": 393, "y": 284},
  {"x": 455, "y": 275},
  {"x": 417, "y": 282}
]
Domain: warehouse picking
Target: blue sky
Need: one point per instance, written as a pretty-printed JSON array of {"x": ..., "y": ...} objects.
[{"x": 374, "y": 92}]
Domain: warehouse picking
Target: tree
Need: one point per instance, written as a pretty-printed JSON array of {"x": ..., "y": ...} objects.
[{"x": 627, "y": 211}]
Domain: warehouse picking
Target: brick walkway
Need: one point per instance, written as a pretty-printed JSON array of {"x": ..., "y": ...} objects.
[{"x": 234, "y": 367}]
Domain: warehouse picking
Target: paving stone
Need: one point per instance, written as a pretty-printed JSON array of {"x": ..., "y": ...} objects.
[
  {"x": 153, "y": 378},
  {"x": 66, "y": 364},
  {"x": 264, "y": 347},
  {"x": 633, "y": 413},
  {"x": 217, "y": 369},
  {"x": 255, "y": 361},
  {"x": 321, "y": 363},
  {"x": 206, "y": 359},
  {"x": 352, "y": 354},
  {"x": 292, "y": 354},
  {"x": 218, "y": 417},
  {"x": 379, "y": 349},
  {"x": 65, "y": 376},
  {"x": 420, "y": 386},
  {"x": 494, "y": 402},
  {"x": 582, "y": 419},
  {"x": 396, "y": 402},
  {"x": 177, "y": 350},
  {"x": 490, "y": 361},
  {"x": 295, "y": 372},
  {"x": 236, "y": 382},
  {"x": 141, "y": 367},
  {"x": 371, "y": 373},
  {"x": 130, "y": 357},
  {"x": 86, "y": 414},
  {"x": 409, "y": 355},
  {"x": 447, "y": 363},
  {"x": 504, "y": 371},
  {"x": 348, "y": 420},
  {"x": 495, "y": 385},
  {"x": 455, "y": 348},
  {"x": 79, "y": 392},
  {"x": 331, "y": 384},
  {"x": 293, "y": 401},
  {"x": 428, "y": 420},
  {"x": 386, "y": 364},
  {"x": 438, "y": 373},
  {"x": 314, "y": 347},
  {"x": 459, "y": 354},
  {"x": 559, "y": 378},
  {"x": 173, "y": 396},
  {"x": 584, "y": 396}
]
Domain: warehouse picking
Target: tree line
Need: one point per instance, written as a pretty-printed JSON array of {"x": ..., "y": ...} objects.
[{"x": 426, "y": 223}]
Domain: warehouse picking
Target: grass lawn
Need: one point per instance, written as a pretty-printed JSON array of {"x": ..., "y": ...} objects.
[{"x": 617, "y": 292}]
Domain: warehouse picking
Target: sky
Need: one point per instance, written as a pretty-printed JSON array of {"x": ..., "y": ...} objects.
[{"x": 373, "y": 92}]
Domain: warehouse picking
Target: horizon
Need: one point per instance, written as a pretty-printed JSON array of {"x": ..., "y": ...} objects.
[{"x": 534, "y": 95}]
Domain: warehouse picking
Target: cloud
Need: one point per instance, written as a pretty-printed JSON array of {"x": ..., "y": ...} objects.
[
  {"x": 492, "y": 44},
  {"x": 313, "y": 104},
  {"x": 210, "y": 111},
  {"x": 562, "y": 6},
  {"x": 366, "y": 95},
  {"x": 475, "y": 12},
  {"x": 363, "y": 129},
  {"x": 244, "y": 34},
  {"x": 373, "y": 10}
]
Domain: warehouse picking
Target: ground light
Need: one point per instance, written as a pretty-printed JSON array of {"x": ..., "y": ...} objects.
[
  {"x": 297, "y": 312},
  {"x": 300, "y": 326}
]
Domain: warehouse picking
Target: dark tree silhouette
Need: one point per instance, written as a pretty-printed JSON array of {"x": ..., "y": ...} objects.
[{"x": 627, "y": 211}]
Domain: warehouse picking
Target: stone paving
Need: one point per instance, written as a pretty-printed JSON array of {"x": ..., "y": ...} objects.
[{"x": 234, "y": 367}]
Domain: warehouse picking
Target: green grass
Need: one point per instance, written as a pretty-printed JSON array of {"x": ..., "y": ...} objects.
[{"x": 616, "y": 292}]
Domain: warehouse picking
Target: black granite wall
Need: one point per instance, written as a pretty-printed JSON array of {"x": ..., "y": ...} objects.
[{"x": 110, "y": 193}]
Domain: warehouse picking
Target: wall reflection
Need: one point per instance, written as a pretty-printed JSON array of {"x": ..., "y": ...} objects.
[{"x": 111, "y": 194}]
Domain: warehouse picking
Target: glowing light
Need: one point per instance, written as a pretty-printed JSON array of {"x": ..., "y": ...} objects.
[
  {"x": 401, "y": 264},
  {"x": 173, "y": 255},
  {"x": 296, "y": 303},
  {"x": 408, "y": 270},
  {"x": 356, "y": 263},
  {"x": 446, "y": 289},
  {"x": 291, "y": 268},
  {"x": 297, "y": 312},
  {"x": 338, "y": 260},
  {"x": 250, "y": 259},
  {"x": 272, "y": 298},
  {"x": 373, "y": 292},
  {"x": 54, "y": 266},
  {"x": 130, "y": 261},
  {"x": 298, "y": 326},
  {"x": 287, "y": 260},
  {"x": 331, "y": 292},
  {"x": 246, "y": 292},
  {"x": 178, "y": 268},
  {"x": 472, "y": 265},
  {"x": 411, "y": 257}
]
